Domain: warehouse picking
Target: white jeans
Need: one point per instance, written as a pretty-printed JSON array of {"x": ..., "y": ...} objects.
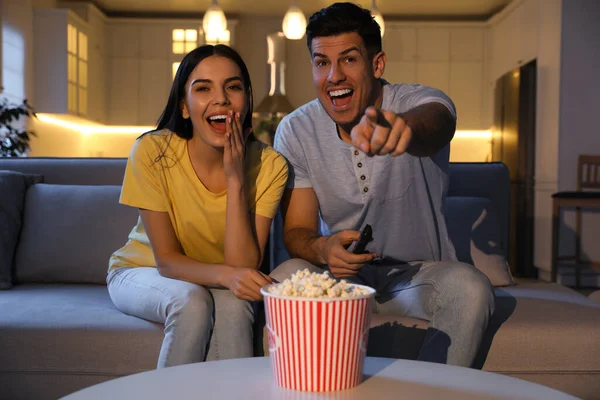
[
  {"x": 456, "y": 298},
  {"x": 200, "y": 323}
]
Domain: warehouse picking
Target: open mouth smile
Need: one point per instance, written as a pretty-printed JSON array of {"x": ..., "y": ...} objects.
[
  {"x": 340, "y": 98},
  {"x": 218, "y": 122}
]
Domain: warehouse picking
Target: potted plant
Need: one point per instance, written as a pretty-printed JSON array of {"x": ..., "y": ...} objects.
[{"x": 14, "y": 141}]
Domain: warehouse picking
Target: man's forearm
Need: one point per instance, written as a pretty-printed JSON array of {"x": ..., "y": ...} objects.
[
  {"x": 305, "y": 244},
  {"x": 432, "y": 127}
]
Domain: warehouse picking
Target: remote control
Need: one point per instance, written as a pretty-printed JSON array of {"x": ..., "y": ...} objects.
[{"x": 365, "y": 237}]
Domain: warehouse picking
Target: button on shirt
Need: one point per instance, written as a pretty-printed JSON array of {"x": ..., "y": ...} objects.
[{"x": 400, "y": 197}]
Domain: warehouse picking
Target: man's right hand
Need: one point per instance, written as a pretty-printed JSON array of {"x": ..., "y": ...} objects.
[{"x": 334, "y": 252}]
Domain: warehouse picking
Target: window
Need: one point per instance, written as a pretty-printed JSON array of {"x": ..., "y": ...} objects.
[
  {"x": 72, "y": 68},
  {"x": 77, "y": 71},
  {"x": 83, "y": 73},
  {"x": 184, "y": 40},
  {"x": 175, "y": 67},
  {"x": 224, "y": 38}
]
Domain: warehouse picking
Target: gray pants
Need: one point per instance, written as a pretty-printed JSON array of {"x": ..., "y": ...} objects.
[
  {"x": 456, "y": 298},
  {"x": 196, "y": 319}
]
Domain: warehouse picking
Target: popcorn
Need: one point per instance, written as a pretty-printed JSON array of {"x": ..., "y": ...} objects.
[{"x": 314, "y": 285}]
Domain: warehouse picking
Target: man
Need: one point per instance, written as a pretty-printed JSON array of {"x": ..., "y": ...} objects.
[{"x": 368, "y": 152}]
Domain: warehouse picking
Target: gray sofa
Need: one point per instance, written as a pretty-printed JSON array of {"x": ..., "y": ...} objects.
[{"x": 60, "y": 332}]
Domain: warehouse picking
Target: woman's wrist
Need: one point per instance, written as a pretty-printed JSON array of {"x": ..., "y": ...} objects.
[
  {"x": 235, "y": 185},
  {"x": 223, "y": 278}
]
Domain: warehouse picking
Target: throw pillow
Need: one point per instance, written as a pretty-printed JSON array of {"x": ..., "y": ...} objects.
[
  {"x": 472, "y": 224},
  {"x": 13, "y": 186}
]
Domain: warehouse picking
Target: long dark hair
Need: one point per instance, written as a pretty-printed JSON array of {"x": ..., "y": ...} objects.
[
  {"x": 172, "y": 118},
  {"x": 341, "y": 18}
]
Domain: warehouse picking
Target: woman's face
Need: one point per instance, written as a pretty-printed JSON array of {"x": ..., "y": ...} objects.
[{"x": 214, "y": 88}]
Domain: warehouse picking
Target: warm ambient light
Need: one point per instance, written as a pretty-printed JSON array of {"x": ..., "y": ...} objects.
[
  {"x": 91, "y": 128},
  {"x": 378, "y": 17},
  {"x": 88, "y": 129},
  {"x": 294, "y": 23},
  {"x": 473, "y": 135},
  {"x": 214, "y": 22},
  {"x": 223, "y": 38}
]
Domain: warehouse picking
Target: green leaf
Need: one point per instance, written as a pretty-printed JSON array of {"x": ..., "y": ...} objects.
[{"x": 14, "y": 141}]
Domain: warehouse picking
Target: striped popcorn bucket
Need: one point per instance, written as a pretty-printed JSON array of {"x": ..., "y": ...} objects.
[{"x": 318, "y": 344}]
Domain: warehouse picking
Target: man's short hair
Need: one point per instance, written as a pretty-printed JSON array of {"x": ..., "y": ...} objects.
[{"x": 341, "y": 18}]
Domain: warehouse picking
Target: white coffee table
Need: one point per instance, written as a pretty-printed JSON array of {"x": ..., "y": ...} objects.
[{"x": 251, "y": 378}]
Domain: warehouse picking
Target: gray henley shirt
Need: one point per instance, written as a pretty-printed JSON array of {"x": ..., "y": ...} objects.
[{"x": 400, "y": 197}]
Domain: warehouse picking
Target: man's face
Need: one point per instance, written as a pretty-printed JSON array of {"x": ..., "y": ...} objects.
[{"x": 343, "y": 76}]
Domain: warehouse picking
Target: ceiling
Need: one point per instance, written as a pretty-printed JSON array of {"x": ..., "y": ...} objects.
[{"x": 421, "y": 9}]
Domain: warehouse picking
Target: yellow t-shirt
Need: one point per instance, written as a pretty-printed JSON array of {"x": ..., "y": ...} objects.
[{"x": 197, "y": 215}]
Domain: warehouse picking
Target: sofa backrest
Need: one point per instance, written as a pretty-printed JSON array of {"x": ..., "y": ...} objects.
[
  {"x": 70, "y": 171},
  {"x": 69, "y": 233},
  {"x": 72, "y": 223},
  {"x": 486, "y": 180},
  {"x": 469, "y": 182}
]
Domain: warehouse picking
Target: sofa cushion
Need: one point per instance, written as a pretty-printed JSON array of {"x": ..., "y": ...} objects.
[
  {"x": 538, "y": 328},
  {"x": 69, "y": 233},
  {"x": 58, "y": 329},
  {"x": 595, "y": 296},
  {"x": 544, "y": 327},
  {"x": 13, "y": 186},
  {"x": 473, "y": 227}
]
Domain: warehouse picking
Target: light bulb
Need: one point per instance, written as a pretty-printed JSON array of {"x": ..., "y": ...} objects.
[
  {"x": 214, "y": 23},
  {"x": 378, "y": 17},
  {"x": 294, "y": 23}
]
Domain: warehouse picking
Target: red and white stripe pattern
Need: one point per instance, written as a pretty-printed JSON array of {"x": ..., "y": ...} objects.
[{"x": 318, "y": 346}]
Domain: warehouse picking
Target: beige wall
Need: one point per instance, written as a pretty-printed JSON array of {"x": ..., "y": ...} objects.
[
  {"x": 547, "y": 130},
  {"x": 250, "y": 41},
  {"x": 58, "y": 141},
  {"x": 55, "y": 141},
  {"x": 43, "y": 3},
  {"x": 17, "y": 56},
  {"x": 16, "y": 45},
  {"x": 470, "y": 149},
  {"x": 579, "y": 133},
  {"x": 579, "y": 87},
  {"x": 299, "y": 79}
]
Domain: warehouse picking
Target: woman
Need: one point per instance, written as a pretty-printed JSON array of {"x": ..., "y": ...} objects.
[{"x": 206, "y": 198}]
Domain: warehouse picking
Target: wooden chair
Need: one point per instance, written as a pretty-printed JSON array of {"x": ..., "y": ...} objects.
[{"x": 588, "y": 177}]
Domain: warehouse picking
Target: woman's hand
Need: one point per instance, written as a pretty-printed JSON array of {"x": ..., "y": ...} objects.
[
  {"x": 233, "y": 155},
  {"x": 245, "y": 283}
]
